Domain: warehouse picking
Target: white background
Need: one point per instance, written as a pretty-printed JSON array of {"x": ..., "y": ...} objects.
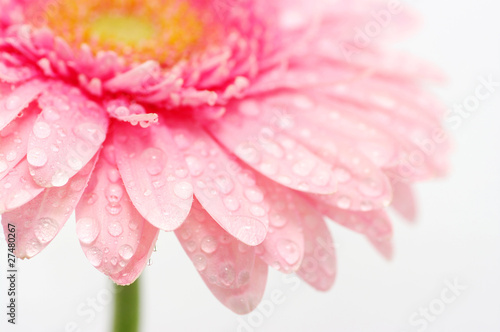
[{"x": 457, "y": 235}]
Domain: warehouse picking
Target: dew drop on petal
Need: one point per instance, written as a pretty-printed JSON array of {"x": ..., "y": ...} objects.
[
  {"x": 13, "y": 102},
  {"x": 183, "y": 190},
  {"x": 94, "y": 255},
  {"x": 115, "y": 228},
  {"x": 37, "y": 157},
  {"x": 114, "y": 193},
  {"x": 46, "y": 229},
  {"x": 208, "y": 244},
  {"x": 3, "y": 166},
  {"x": 194, "y": 165},
  {"x": 87, "y": 230},
  {"x": 344, "y": 202},
  {"x": 114, "y": 209},
  {"x": 231, "y": 203},
  {"x": 41, "y": 130},
  {"x": 370, "y": 188},
  {"x": 155, "y": 160},
  {"x": 227, "y": 275},
  {"x": 257, "y": 211},
  {"x": 200, "y": 262},
  {"x": 289, "y": 251},
  {"x": 254, "y": 195},
  {"x": 126, "y": 252},
  {"x": 277, "y": 220}
]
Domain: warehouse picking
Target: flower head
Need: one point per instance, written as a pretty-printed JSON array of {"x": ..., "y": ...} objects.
[{"x": 239, "y": 125}]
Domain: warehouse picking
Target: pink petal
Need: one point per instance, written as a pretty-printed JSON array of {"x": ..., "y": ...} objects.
[
  {"x": 15, "y": 74},
  {"x": 40, "y": 220},
  {"x": 319, "y": 266},
  {"x": 17, "y": 188},
  {"x": 116, "y": 239},
  {"x": 283, "y": 248},
  {"x": 404, "y": 200},
  {"x": 13, "y": 140},
  {"x": 155, "y": 174},
  {"x": 12, "y": 102},
  {"x": 362, "y": 186},
  {"x": 220, "y": 184},
  {"x": 375, "y": 225},
  {"x": 66, "y": 135},
  {"x": 259, "y": 141},
  {"x": 228, "y": 267}
]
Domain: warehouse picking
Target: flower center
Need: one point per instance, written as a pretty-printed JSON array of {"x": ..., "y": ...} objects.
[{"x": 162, "y": 30}]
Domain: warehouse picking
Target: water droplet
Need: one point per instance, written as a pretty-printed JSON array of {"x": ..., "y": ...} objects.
[
  {"x": 257, "y": 211},
  {"x": 304, "y": 167},
  {"x": 194, "y": 165},
  {"x": 147, "y": 193},
  {"x": 342, "y": 175},
  {"x": 321, "y": 178},
  {"x": 185, "y": 233},
  {"x": 41, "y": 130},
  {"x": 208, "y": 244},
  {"x": 200, "y": 262},
  {"x": 126, "y": 252},
  {"x": 115, "y": 228},
  {"x": 12, "y": 103},
  {"x": 87, "y": 230},
  {"x": 114, "y": 193},
  {"x": 231, "y": 203},
  {"x": 37, "y": 157},
  {"x": 50, "y": 114},
  {"x": 94, "y": 255},
  {"x": 277, "y": 220},
  {"x": 191, "y": 246},
  {"x": 366, "y": 206},
  {"x": 183, "y": 190},
  {"x": 154, "y": 160},
  {"x": 33, "y": 247},
  {"x": 344, "y": 202},
  {"x": 133, "y": 224},
  {"x": 224, "y": 183},
  {"x": 11, "y": 156},
  {"x": 371, "y": 188},
  {"x": 46, "y": 229},
  {"x": 181, "y": 172},
  {"x": 248, "y": 153},
  {"x": 3, "y": 166},
  {"x": 114, "y": 260},
  {"x": 91, "y": 133},
  {"x": 59, "y": 179},
  {"x": 114, "y": 175},
  {"x": 254, "y": 195},
  {"x": 114, "y": 209},
  {"x": 289, "y": 250},
  {"x": 75, "y": 163},
  {"x": 182, "y": 141},
  {"x": 227, "y": 275}
]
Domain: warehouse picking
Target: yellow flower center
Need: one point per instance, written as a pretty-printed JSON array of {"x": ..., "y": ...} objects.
[{"x": 162, "y": 30}]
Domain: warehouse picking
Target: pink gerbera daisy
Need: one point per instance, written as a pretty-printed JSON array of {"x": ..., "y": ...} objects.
[{"x": 239, "y": 125}]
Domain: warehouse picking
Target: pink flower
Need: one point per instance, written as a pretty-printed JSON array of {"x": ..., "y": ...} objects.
[{"x": 237, "y": 124}]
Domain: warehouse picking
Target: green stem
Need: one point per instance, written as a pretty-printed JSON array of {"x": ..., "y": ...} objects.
[{"x": 126, "y": 308}]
